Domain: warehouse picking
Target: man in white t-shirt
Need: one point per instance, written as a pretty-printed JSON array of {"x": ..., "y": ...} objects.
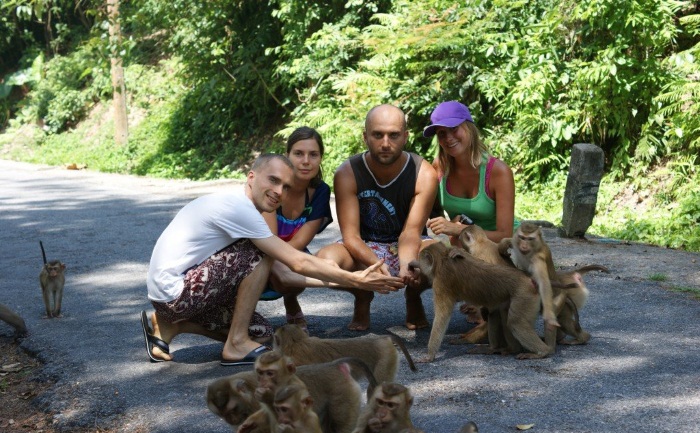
[{"x": 210, "y": 265}]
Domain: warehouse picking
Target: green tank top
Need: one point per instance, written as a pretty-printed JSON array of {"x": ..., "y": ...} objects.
[{"x": 481, "y": 209}]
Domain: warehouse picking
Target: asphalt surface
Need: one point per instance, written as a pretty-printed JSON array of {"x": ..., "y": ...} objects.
[{"x": 639, "y": 373}]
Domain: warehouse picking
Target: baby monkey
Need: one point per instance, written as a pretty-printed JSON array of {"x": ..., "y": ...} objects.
[{"x": 52, "y": 279}]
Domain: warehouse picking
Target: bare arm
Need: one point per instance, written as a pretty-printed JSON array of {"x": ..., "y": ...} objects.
[
  {"x": 312, "y": 266},
  {"x": 421, "y": 205},
  {"x": 348, "y": 210},
  {"x": 502, "y": 189}
]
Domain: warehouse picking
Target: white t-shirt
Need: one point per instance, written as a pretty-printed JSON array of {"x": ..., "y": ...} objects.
[{"x": 201, "y": 228}]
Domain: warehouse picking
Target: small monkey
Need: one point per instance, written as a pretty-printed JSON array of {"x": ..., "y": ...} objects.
[
  {"x": 502, "y": 290},
  {"x": 531, "y": 254},
  {"x": 13, "y": 319},
  {"x": 294, "y": 410},
  {"x": 377, "y": 352},
  {"x": 52, "y": 279},
  {"x": 387, "y": 411}
]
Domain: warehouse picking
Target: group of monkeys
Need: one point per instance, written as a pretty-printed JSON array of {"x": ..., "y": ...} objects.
[
  {"x": 51, "y": 279},
  {"x": 309, "y": 384},
  {"x": 511, "y": 282}
]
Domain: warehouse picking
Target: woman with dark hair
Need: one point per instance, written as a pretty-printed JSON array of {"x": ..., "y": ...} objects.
[{"x": 304, "y": 212}]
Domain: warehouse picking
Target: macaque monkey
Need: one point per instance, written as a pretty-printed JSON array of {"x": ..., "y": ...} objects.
[
  {"x": 387, "y": 411},
  {"x": 474, "y": 240},
  {"x": 531, "y": 254},
  {"x": 377, "y": 352},
  {"x": 333, "y": 387},
  {"x": 294, "y": 410},
  {"x": 52, "y": 280},
  {"x": 14, "y": 320},
  {"x": 568, "y": 301},
  {"x": 233, "y": 397},
  {"x": 497, "y": 288}
]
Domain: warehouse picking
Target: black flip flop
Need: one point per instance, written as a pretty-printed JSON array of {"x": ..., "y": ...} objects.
[
  {"x": 249, "y": 359},
  {"x": 152, "y": 340}
]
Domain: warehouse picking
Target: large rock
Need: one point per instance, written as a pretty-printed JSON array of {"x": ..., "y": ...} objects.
[{"x": 585, "y": 173}]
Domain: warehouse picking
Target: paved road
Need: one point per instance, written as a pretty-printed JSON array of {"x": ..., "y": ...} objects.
[{"x": 640, "y": 372}]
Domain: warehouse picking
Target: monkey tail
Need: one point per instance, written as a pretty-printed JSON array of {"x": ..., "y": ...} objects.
[
  {"x": 399, "y": 342},
  {"x": 588, "y": 268},
  {"x": 43, "y": 253}
]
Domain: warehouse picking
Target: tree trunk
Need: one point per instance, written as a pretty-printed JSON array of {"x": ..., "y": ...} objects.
[{"x": 121, "y": 131}]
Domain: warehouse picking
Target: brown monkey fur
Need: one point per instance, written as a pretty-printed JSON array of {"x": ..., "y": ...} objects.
[
  {"x": 387, "y": 411},
  {"x": 567, "y": 304},
  {"x": 569, "y": 293},
  {"x": 13, "y": 319},
  {"x": 530, "y": 253},
  {"x": 378, "y": 352},
  {"x": 332, "y": 385},
  {"x": 294, "y": 412},
  {"x": 494, "y": 287},
  {"x": 474, "y": 240},
  {"x": 52, "y": 279}
]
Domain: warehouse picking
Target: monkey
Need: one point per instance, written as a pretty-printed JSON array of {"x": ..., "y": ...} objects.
[
  {"x": 294, "y": 412},
  {"x": 495, "y": 287},
  {"x": 474, "y": 240},
  {"x": 52, "y": 279},
  {"x": 377, "y": 352},
  {"x": 233, "y": 397},
  {"x": 333, "y": 387},
  {"x": 387, "y": 411},
  {"x": 568, "y": 301},
  {"x": 530, "y": 253},
  {"x": 13, "y": 319}
]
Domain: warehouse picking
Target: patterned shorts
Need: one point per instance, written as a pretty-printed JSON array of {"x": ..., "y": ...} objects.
[
  {"x": 209, "y": 295},
  {"x": 389, "y": 251}
]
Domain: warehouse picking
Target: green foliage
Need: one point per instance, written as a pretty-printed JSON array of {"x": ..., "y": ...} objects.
[{"x": 537, "y": 75}]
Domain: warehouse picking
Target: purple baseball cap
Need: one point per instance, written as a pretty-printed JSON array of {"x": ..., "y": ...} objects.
[{"x": 448, "y": 114}]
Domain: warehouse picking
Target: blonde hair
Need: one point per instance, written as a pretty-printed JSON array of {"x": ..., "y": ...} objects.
[{"x": 445, "y": 163}]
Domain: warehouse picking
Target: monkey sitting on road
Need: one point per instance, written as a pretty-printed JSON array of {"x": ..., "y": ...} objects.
[
  {"x": 377, "y": 352},
  {"x": 502, "y": 290},
  {"x": 52, "y": 279}
]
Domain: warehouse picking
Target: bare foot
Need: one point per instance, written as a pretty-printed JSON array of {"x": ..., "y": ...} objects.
[
  {"x": 239, "y": 350},
  {"x": 360, "y": 316},
  {"x": 415, "y": 313},
  {"x": 166, "y": 332}
]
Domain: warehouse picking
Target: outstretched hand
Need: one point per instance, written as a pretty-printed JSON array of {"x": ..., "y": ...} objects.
[{"x": 373, "y": 279}]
